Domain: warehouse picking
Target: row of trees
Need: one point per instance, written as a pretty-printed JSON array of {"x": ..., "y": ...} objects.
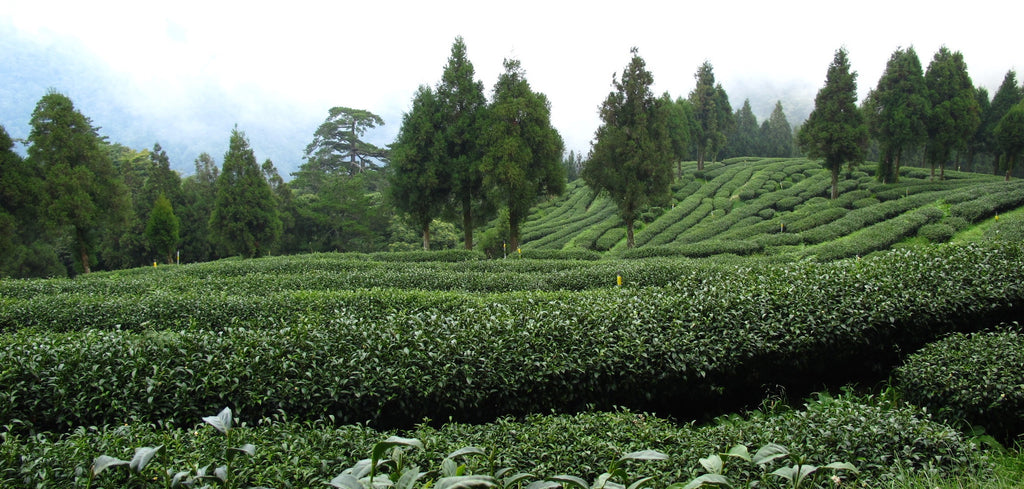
[
  {"x": 77, "y": 201},
  {"x": 456, "y": 154}
]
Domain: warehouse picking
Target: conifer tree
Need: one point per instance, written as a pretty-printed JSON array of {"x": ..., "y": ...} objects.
[
  {"x": 835, "y": 131},
  {"x": 953, "y": 113},
  {"x": 523, "y": 152},
  {"x": 897, "y": 111},
  {"x": 777, "y": 139},
  {"x": 462, "y": 106},
  {"x": 745, "y": 135},
  {"x": 1010, "y": 136},
  {"x": 420, "y": 183},
  {"x": 244, "y": 220},
  {"x": 198, "y": 194},
  {"x": 1007, "y": 95},
  {"x": 83, "y": 191},
  {"x": 632, "y": 154},
  {"x": 162, "y": 229}
]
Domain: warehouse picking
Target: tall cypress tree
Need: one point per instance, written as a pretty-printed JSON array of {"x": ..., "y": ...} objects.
[
  {"x": 198, "y": 194},
  {"x": 1009, "y": 135},
  {"x": 84, "y": 192},
  {"x": 162, "y": 228},
  {"x": 777, "y": 139},
  {"x": 462, "y": 105},
  {"x": 420, "y": 185},
  {"x": 244, "y": 220},
  {"x": 897, "y": 111},
  {"x": 1007, "y": 95},
  {"x": 745, "y": 135},
  {"x": 523, "y": 152},
  {"x": 835, "y": 131},
  {"x": 632, "y": 154},
  {"x": 953, "y": 115},
  {"x": 26, "y": 249}
]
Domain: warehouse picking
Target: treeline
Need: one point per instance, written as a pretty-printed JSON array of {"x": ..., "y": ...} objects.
[{"x": 463, "y": 169}]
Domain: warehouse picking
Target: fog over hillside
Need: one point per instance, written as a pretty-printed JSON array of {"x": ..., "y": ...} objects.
[{"x": 276, "y": 129}]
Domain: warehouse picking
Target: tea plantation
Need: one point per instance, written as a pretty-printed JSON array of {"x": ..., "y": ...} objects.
[{"x": 538, "y": 371}]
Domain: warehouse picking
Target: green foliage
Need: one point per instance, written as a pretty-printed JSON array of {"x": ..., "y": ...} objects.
[
  {"x": 632, "y": 155},
  {"x": 337, "y": 146},
  {"x": 419, "y": 183},
  {"x": 170, "y": 344},
  {"x": 879, "y": 438},
  {"x": 83, "y": 192},
  {"x": 835, "y": 131},
  {"x": 162, "y": 228},
  {"x": 971, "y": 378},
  {"x": 953, "y": 115},
  {"x": 463, "y": 110},
  {"x": 1009, "y": 133},
  {"x": 897, "y": 111},
  {"x": 937, "y": 232},
  {"x": 523, "y": 150},
  {"x": 244, "y": 220}
]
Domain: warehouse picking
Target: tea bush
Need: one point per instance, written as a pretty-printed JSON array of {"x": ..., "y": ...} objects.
[
  {"x": 870, "y": 433},
  {"x": 711, "y": 337},
  {"x": 975, "y": 378}
]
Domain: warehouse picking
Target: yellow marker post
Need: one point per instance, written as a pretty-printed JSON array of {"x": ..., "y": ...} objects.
[
  {"x": 154, "y": 263},
  {"x": 618, "y": 280}
]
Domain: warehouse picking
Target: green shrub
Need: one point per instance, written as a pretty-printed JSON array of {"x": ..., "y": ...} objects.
[
  {"x": 936, "y": 232},
  {"x": 975, "y": 378},
  {"x": 393, "y": 356},
  {"x": 868, "y": 432}
]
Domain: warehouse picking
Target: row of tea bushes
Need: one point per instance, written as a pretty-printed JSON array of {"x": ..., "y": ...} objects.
[
  {"x": 971, "y": 378},
  {"x": 716, "y": 336},
  {"x": 871, "y": 433}
]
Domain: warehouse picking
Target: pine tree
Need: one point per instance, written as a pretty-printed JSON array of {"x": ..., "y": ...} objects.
[
  {"x": 835, "y": 131},
  {"x": 420, "y": 185},
  {"x": 1010, "y": 136},
  {"x": 745, "y": 135},
  {"x": 244, "y": 220},
  {"x": 1006, "y": 97},
  {"x": 26, "y": 249},
  {"x": 162, "y": 228},
  {"x": 523, "y": 152},
  {"x": 778, "y": 135},
  {"x": 84, "y": 193},
  {"x": 198, "y": 194},
  {"x": 953, "y": 115},
  {"x": 897, "y": 111},
  {"x": 462, "y": 107},
  {"x": 632, "y": 155},
  {"x": 708, "y": 134}
]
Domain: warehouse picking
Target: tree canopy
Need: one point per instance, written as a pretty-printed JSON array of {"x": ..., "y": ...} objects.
[
  {"x": 244, "y": 219},
  {"x": 835, "y": 131},
  {"x": 523, "y": 152},
  {"x": 420, "y": 183},
  {"x": 897, "y": 111},
  {"x": 83, "y": 191},
  {"x": 632, "y": 154},
  {"x": 953, "y": 115},
  {"x": 337, "y": 145}
]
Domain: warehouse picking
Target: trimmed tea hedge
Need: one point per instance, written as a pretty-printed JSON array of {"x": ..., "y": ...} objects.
[
  {"x": 713, "y": 337},
  {"x": 975, "y": 378},
  {"x": 867, "y": 432}
]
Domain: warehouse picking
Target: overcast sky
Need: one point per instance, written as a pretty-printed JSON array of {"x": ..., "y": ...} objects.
[{"x": 278, "y": 69}]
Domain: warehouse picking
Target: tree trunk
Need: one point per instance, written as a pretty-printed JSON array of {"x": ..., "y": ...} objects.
[
  {"x": 835, "y": 182},
  {"x": 426, "y": 237},
  {"x": 629, "y": 234},
  {"x": 700, "y": 159},
  {"x": 467, "y": 223},
  {"x": 83, "y": 251},
  {"x": 513, "y": 230},
  {"x": 896, "y": 165}
]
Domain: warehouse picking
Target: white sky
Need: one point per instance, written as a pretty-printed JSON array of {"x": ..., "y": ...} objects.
[{"x": 288, "y": 64}]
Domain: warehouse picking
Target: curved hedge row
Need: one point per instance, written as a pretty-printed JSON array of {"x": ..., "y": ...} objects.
[
  {"x": 865, "y": 431},
  {"x": 974, "y": 378},
  {"x": 715, "y": 336}
]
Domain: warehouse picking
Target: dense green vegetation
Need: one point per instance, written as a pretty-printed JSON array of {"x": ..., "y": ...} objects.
[{"x": 301, "y": 347}]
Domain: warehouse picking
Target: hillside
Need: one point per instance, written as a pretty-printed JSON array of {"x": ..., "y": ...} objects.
[{"x": 779, "y": 208}]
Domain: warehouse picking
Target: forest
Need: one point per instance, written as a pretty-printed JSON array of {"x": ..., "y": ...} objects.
[{"x": 465, "y": 170}]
